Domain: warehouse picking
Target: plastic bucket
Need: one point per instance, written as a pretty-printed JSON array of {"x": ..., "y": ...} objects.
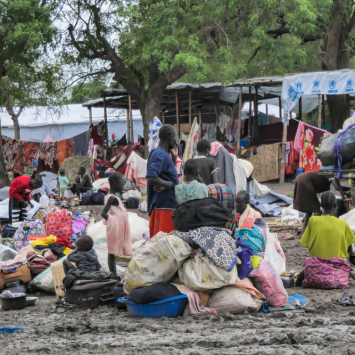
[
  {"x": 299, "y": 172},
  {"x": 170, "y": 307}
]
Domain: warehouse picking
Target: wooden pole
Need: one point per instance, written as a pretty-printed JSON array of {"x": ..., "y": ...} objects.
[
  {"x": 177, "y": 113},
  {"x": 128, "y": 129},
  {"x": 190, "y": 95},
  {"x": 319, "y": 111},
  {"x": 239, "y": 118},
  {"x": 250, "y": 120},
  {"x": 90, "y": 116},
  {"x": 131, "y": 118},
  {"x": 163, "y": 117},
  {"x": 200, "y": 121},
  {"x": 348, "y": 105},
  {"x": 106, "y": 128},
  {"x": 282, "y": 159},
  {"x": 300, "y": 108},
  {"x": 280, "y": 109},
  {"x": 256, "y": 117},
  {"x": 217, "y": 106},
  {"x": 323, "y": 109}
]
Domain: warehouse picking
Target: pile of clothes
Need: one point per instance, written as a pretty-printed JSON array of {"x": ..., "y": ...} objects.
[
  {"x": 217, "y": 272},
  {"x": 35, "y": 245}
]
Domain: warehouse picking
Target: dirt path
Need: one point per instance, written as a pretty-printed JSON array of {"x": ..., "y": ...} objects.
[{"x": 330, "y": 330}]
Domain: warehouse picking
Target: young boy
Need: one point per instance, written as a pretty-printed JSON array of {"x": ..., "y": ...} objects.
[
  {"x": 208, "y": 167},
  {"x": 84, "y": 257},
  {"x": 191, "y": 189},
  {"x": 63, "y": 182}
]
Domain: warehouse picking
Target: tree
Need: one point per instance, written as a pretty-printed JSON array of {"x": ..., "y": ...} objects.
[
  {"x": 25, "y": 30},
  {"x": 86, "y": 91},
  {"x": 322, "y": 29},
  {"x": 149, "y": 44}
]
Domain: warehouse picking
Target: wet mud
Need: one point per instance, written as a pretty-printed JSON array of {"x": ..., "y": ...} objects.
[{"x": 329, "y": 330}]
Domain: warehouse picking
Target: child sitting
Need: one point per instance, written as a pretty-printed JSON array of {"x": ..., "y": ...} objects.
[
  {"x": 84, "y": 257},
  {"x": 246, "y": 215},
  {"x": 191, "y": 189},
  {"x": 63, "y": 182}
]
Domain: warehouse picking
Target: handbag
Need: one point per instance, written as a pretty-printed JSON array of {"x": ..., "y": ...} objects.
[
  {"x": 8, "y": 231},
  {"x": 207, "y": 212}
]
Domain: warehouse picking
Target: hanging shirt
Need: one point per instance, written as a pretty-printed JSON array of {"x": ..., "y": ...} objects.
[
  {"x": 95, "y": 136},
  {"x": 161, "y": 165},
  {"x": 21, "y": 189},
  {"x": 327, "y": 237},
  {"x": 192, "y": 190}
]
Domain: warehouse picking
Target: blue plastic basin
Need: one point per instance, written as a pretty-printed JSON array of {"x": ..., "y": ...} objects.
[{"x": 170, "y": 307}]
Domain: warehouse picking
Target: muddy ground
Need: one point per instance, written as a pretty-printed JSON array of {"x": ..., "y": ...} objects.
[{"x": 329, "y": 330}]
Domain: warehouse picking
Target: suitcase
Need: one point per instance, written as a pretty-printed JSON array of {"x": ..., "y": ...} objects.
[
  {"x": 22, "y": 273},
  {"x": 91, "y": 293},
  {"x": 58, "y": 276}
]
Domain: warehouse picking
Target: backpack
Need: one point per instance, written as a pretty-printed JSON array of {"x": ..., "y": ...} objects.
[
  {"x": 97, "y": 198},
  {"x": 207, "y": 212}
]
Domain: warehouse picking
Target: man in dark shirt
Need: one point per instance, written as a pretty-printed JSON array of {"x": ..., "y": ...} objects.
[{"x": 85, "y": 183}]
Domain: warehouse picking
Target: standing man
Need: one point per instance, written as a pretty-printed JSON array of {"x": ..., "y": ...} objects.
[
  {"x": 84, "y": 184},
  {"x": 20, "y": 196},
  {"x": 162, "y": 179}
]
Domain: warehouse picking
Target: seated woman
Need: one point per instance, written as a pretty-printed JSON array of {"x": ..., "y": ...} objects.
[{"x": 326, "y": 236}]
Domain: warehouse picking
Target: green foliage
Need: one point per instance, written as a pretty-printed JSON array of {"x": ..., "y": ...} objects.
[{"x": 86, "y": 91}]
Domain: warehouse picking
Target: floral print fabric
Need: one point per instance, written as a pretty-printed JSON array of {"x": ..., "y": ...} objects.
[
  {"x": 48, "y": 152},
  {"x": 26, "y": 230},
  {"x": 10, "y": 150},
  {"x": 326, "y": 273}
]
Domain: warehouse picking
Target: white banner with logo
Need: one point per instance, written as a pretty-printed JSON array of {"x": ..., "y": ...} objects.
[{"x": 318, "y": 83}]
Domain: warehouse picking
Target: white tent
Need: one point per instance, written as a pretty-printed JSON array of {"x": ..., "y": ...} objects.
[{"x": 67, "y": 122}]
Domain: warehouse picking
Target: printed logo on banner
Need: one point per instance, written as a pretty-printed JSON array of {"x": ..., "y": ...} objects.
[
  {"x": 295, "y": 92},
  {"x": 315, "y": 89},
  {"x": 349, "y": 86},
  {"x": 332, "y": 85}
]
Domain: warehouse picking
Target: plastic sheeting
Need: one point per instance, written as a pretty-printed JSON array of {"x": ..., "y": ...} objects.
[
  {"x": 318, "y": 83},
  {"x": 4, "y": 209}
]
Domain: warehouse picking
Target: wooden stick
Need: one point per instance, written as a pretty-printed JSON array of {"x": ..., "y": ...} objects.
[
  {"x": 105, "y": 116},
  {"x": 177, "y": 113},
  {"x": 131, "y": 118},
  {"x": 128, "y": 129},
  {"x": 190, "y": 95},
  {"x": 250, "y": 120},
  {"x": 239, "y": 118},
  {"x": 300, "y": 108},
  {"x": 319, "y": 111},
  {"x": 200, "y": 121},
  {"x": 90, "y": 116},
  {"x": 163, "y": 117}
]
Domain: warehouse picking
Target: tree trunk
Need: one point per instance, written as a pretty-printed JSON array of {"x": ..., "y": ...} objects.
[
  {"x": 16, "y": 128},
  {"x": 4, "y": 178},
  {"x": 149, "y": 108},
  {"x": 337, "y": 111}
]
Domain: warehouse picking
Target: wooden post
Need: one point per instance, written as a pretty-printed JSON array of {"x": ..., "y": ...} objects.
[
  {"x": 348, "y": 105},
  {"x": 90, "y": 116},
  {"x": 128, "y": 129},
  {"x": 250, "y": 120},
  {"x": 283, "y": 154},
  {"x": 163, "y": 117},
  {"x": 300, "y": 108},
  {"x": 323, "y": 109},
  {"x": 106, "y": 128},
  {"x": 177, "y": 113},
  {"x": 319, "y": 111},
  {"x": 130, "y": 119},
  {"x": 200, "y": 121},
  {"x": 239, "y": 118},
  {"x": 280, "y": 109},
  {"x": 256, "y": 117},
  {"x": 190, "y": 95},
  {"x": 217, "y": 107}
]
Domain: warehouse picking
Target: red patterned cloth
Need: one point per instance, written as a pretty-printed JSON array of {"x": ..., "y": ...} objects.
[
  {"x": 59, "y": 224},
  {"x": 10, "y": 150},
  {"x": 326, "y": 273},
  {"x": 48, "y": 152}
]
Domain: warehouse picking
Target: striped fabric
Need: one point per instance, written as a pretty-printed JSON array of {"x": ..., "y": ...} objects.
[
  {"x": 225, "y": 195},
  {"x": 192, "y": 190}
]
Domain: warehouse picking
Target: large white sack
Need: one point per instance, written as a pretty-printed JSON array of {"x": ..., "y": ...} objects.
[
  {"x": 138, "y": 225},
  {"x": 274, "y": 254},
  {"x": 100, "y": 184},
  {"x": 232, "y": 299},
  {"x": 201, "y": 273},
  {"x": 157, "y": 260},
  {"x": 349, "y": 218}
]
